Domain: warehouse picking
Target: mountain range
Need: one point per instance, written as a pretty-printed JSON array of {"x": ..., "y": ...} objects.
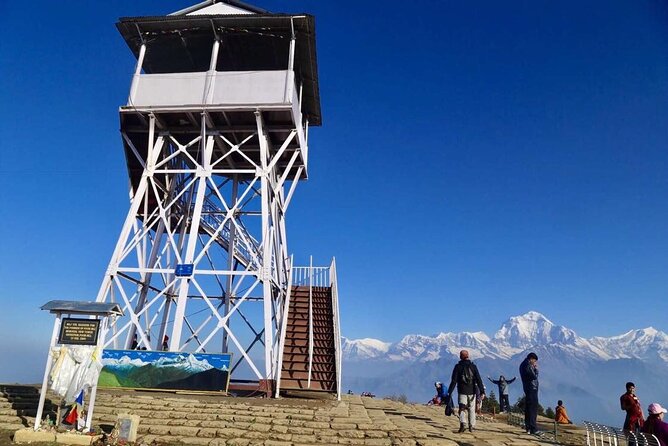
[{"x": 588, "y": 374}]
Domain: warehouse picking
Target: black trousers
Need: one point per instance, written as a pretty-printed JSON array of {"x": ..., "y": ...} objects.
[
  {"x": 505, "y": 404},
  {"x": 531, "y": 410}
]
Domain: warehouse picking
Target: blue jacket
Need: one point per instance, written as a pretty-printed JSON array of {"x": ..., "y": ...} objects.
[{"x": 529, "y": 375}]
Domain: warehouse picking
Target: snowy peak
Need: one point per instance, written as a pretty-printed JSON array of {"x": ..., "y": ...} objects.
[
  {"x": 532, "y": 329},
  {"x": 529, "y": 331},
  {"x": 645, "y": 343},
  {"x": 429, "y": 348},
  {"x": 366, "y": 348}
]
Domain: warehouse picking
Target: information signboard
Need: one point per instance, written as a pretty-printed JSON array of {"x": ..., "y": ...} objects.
[{"x": 79, "y": 331}]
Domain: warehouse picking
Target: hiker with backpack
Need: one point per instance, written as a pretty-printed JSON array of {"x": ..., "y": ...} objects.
[{"x": 467, "y": 379}]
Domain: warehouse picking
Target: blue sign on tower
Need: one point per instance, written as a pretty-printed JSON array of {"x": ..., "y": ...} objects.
[{"x": 184, "y": 269}]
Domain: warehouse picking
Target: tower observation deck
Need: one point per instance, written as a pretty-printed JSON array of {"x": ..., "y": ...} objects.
[{"x": 215, "y": 134}]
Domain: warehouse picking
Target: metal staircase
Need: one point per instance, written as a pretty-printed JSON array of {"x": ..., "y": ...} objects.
[{"x": 311, "y": 358}]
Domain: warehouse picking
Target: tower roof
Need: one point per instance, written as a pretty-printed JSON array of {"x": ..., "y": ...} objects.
[
  {"x": 192, "y": 29},
  {"x": 221, "y": 7}
]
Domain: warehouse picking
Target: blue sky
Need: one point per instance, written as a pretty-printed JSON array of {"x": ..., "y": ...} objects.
[{"x": 477, "y": 160}]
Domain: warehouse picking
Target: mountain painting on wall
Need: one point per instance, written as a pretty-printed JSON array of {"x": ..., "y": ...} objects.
[{"x": 143, "y": 369}]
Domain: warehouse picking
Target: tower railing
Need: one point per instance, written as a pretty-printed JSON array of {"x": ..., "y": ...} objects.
[
  {"x": 311, "y": 276},
  {"x": 337, "y": 329},
  {"x": 275, "y": 89},
  {"x": 310, "y": 325}
]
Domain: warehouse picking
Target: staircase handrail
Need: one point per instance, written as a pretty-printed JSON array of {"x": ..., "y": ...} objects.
[
  {"x": 310, "y": 321},
  {"x": 318, "y": 276},
  {"x": 335, "y": 314},
  {"x": 284, "y": 327}
]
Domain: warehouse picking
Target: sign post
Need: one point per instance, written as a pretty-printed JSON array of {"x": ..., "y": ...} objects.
[{"x": 76, "y": 331}]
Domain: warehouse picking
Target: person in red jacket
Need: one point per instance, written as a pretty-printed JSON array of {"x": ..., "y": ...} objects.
[{"x": 631, "y": 404}]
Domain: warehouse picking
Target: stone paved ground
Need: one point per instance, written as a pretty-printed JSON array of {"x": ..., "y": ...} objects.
[
  {"x": 353, "y": 421},
  {"x": 208, "y": 420}
]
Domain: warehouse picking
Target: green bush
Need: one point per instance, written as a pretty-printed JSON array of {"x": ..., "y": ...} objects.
[
  {"x": 519, "y": 406},
  {"x": 491, "y": 404},
  {"x": 399, "y": 398}
]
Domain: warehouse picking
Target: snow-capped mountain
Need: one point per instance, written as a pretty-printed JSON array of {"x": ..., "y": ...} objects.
[
  {"x": 646, "y": 344},
  {"x": 516, "y": 335},
  {"x": 426, "y": 348},
  {"x": 364, "y": 348}
]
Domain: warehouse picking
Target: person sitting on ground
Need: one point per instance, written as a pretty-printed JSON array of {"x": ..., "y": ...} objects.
[
  {"x": 655, "y": 425},
  {"x": 503, "y": 391},
  {"x": 441, "y": 395},
  {"x": 560, "y": 415}
]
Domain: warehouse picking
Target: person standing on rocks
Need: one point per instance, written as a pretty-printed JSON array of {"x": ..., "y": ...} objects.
[
  {"x": 631, "y": 404},
  {"x": 529, "y": 376},
  {"x": 503, "y": 391},
  {"x": 466, "y": 377}
]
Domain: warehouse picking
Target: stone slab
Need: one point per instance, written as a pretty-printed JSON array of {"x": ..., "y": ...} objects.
[
  {"x": 30, "y": 436},
  {"x": 76, "y": 439}
]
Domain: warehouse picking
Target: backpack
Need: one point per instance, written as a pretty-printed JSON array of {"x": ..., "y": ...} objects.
[
  {"x": 449, "y": 406},
  {"x": 466, "y": 375}
]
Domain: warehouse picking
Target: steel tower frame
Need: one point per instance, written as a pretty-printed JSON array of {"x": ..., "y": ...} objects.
[{"x": 204, "y": 241}]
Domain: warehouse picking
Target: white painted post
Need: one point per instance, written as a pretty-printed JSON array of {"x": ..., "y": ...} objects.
[
  {"x": 202, "y": 174},
  {"x": 284, "y": 325},
  {"x": 289, "y": 75},
  {"x": 47, "y": 369},
  {"x": 93, "y": 393},
  {"x": 231, "y": 246},
  {"x": 135, "y": 79},
  {"x": 333, "y": 282},
  {"x": 266, "y": 246},
  {"x": 210, "y": 82}
]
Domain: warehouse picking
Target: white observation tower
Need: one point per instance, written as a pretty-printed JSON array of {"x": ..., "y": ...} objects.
[{"x": 215, "y": 133}]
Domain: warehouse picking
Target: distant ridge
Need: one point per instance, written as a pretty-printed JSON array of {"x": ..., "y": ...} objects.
[{"x": 517, "y": 334}]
